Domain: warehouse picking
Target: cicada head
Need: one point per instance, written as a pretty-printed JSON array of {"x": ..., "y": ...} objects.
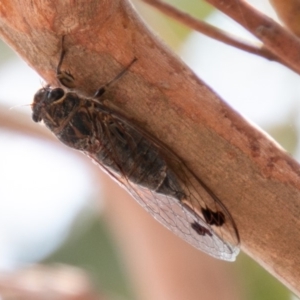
[{"x": 53, "y": 106}]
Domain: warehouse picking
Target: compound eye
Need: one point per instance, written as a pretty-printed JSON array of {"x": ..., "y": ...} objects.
[{"x": 55, "y": 94}]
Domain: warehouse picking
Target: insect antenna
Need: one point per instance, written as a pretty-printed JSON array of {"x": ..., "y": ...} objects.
[{"x": 19, "y": 105}]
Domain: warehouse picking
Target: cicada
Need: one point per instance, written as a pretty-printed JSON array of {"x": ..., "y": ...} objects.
[{"x": 155, "y": 176}]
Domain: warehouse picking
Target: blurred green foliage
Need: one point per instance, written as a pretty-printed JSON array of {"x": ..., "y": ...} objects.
[
  {"x": 5, "y": 53},
  {"x": 171, "y": 31},
  {"x": 197, "y": 9},
  {"x": 257, "y": 283},
  {"x": 92, "y": 249},
  {"x": 286, "y": 134}
]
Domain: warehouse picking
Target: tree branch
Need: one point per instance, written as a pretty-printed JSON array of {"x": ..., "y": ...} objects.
[
  {"x": 276, "y": 39},
  {"x": 212, "y": 31},
  {"x": 256, "y": 180},
  {"x": 288, "y": 12}
]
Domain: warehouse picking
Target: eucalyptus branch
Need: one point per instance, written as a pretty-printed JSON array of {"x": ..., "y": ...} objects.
[
  {"x": 212, "y": 31},
  {"x": 279, "y": 41},
  {"x": 254, "y": 177}
]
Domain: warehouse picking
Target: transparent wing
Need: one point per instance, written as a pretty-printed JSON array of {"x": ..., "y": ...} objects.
[{"x": 184, "y": 222}]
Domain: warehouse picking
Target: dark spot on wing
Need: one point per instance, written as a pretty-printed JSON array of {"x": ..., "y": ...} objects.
[
  {"x": 200, "y": 229},
  {"x": 213, "y": 218}
]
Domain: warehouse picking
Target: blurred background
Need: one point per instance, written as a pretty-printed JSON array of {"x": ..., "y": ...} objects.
[{"x": 56, "y": 208}]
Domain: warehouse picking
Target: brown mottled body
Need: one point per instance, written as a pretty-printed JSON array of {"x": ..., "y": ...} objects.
[{"x": 139, "y": 163}]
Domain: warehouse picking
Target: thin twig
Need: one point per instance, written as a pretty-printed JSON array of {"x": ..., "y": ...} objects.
[
  {"x": 212, "y": 31},
  {"x": 276, "y": 39}
]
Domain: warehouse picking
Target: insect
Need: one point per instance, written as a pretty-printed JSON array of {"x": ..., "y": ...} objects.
[{"x": 168, "y": 191}]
